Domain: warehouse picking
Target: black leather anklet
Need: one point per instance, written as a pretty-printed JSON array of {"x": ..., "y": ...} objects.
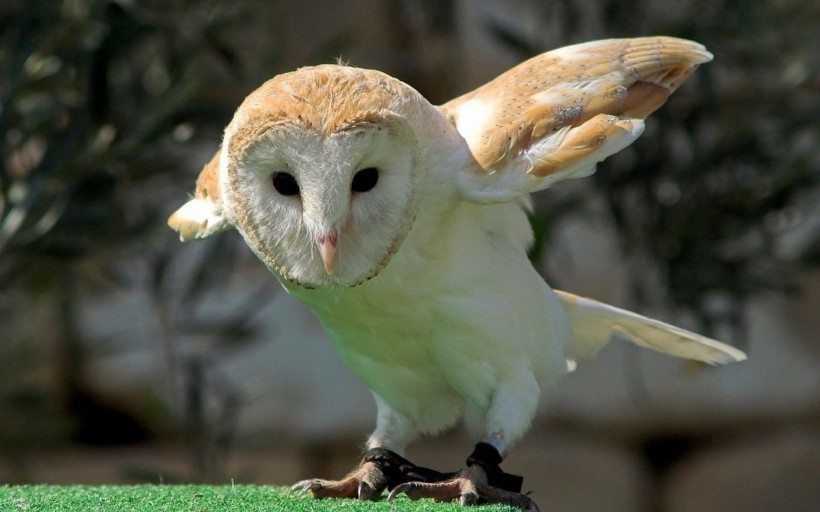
[
  {"x": 488, "y": 458},
  {"x": 398, "y": 470}
]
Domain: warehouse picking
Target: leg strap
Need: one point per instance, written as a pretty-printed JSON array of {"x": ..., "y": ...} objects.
[
  {"x": 488, "y": 458},
  {"x": 398, "y": 470}
]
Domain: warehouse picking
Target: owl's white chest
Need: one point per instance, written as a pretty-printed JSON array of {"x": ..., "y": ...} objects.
[{"x": 456, "y": 313}]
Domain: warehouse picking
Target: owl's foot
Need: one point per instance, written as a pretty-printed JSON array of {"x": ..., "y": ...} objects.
[
  {"x": 469, "y": 488},
  {"x": 380, "y": 469},
  {"x": 366, "y": 482},
  {"x": 482, "y": 482}
]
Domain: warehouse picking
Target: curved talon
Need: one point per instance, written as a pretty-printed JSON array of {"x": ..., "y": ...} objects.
[
  {"x": 468, "y": 498},
  {"x": 367, "y": 492},
  {"x": 395, "y": 492},
  {"x": 304, "y": 486},
  {"x": 365, "y": 483},
  {"x": 399, "y": 489},
  {"x": 319, "y": 488}
]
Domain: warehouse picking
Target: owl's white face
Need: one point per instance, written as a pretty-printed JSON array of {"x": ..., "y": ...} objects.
[{"x": 326, "y": 209}]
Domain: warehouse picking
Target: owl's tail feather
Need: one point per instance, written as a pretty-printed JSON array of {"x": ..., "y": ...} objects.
[{"x": 594, "y": 323}]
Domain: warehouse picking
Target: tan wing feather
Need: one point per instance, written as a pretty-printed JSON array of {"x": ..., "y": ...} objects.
[
  {"x": 202, "y": 216},
  {"x": 207, "y": 183},
  {"x": 558, "y": 114}
]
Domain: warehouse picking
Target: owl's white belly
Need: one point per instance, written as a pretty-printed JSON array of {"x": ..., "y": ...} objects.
[{"x": 449, "y": 320}]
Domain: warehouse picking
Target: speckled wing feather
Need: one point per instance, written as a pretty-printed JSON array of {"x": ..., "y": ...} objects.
[{"x": 557, "y": 115}]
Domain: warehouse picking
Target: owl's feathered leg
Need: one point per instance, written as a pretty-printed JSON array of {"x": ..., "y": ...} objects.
[
  {"x": 482, "y": 482},
  {"x": 380, "y": 469}
]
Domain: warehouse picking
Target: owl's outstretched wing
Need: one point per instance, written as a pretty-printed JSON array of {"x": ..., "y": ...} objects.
[
  {"x": 202, "y": 216},
  {"x": 594, "y": 323},
  {"x": 557, "y": 115}
]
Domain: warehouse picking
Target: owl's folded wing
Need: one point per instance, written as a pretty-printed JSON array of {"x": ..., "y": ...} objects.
[
  {"x": 594, "y": 323},
  {"x": 202, "y": 216},
  {"x": 557, "y": 115}
]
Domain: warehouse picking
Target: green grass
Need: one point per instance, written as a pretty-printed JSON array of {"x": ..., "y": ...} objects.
[{"x": 195, "y": 498}]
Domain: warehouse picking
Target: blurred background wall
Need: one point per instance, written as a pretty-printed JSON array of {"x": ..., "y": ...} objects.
[{"x": 126, "y": 356}]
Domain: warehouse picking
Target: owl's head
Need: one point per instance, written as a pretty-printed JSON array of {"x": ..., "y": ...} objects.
[{"x": 320, "y": 171}]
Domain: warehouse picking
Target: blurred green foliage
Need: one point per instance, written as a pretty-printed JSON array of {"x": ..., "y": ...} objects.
[
  {"x": 732, "y": 166},
  {"x": 96, "y": 109},
  {"x": 94, "y": 99}
]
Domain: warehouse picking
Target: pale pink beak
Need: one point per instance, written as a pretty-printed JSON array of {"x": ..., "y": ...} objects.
[{"x": 327, "y": 249}]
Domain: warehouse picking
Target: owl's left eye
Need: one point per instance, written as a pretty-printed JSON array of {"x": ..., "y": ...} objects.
[
  {"x": 285, "y": 183},
  {"x": 365, "y": 180}
]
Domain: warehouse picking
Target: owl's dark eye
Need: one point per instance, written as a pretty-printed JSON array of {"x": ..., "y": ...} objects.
[
  {"x": 365, "y": 180},
  {"x": 285, "y": 183}
]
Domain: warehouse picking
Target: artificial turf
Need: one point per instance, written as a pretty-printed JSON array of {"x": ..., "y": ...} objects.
[{"x": 196, "y": 498}]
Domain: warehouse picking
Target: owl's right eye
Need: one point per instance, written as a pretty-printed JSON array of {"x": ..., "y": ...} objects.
[{"x": 285, "y": 183}]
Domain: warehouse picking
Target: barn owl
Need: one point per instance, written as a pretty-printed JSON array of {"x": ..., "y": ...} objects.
[{"x": 403, "y": 226}]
